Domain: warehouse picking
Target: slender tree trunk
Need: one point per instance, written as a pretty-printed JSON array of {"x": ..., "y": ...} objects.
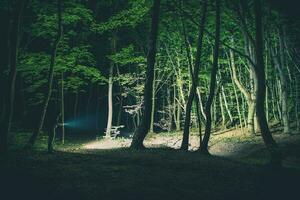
[
  {"x": 110, "y": 102},
  {"x": 204, "y": 144},
  {"x": 110, "y": 90},
  {"x": 169, "y": 106},
  {"x": 201, "y": 105},
  {"x": 247, "y": 94},
  {"x": 261, "y": 88},
  {"x": 283, "y": 85},
  {"x": 195, "y": 73},
  {"x": 119, "y": 120},
  {"x": 38, "y": 129},
  {"x": 178, "y": 116},
  {"x": 13, "y": 57},
  {"x": 226, "y": 104},
  {"x": 267, "y": 91},
  {"x": 278, "y": 97},
  {"x": 176, "y": 107},
  {"x": 142, "y": 131},
  {"x": 248, "y": 48},
  {"x": 97, "y": 110},
  {"x": 179, "y": 83},
  {"x": 62, "y": 109},
  {"x": 120, "y": 110},
  {"x": 198, "y": 102},
  {"x": 297, "y": 103},
  {"x": 222, "y": 111},
  {"x": 237, "y": 102},
  {"x": 153, "y": 104}
]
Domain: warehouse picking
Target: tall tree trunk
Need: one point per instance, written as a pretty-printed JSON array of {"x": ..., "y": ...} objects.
[
  {"x": 226, "y": 104},
  {"x": 179, "y": 83},
  {"x": 13, "y": 57},
  {"x": 237, "y": 102},
  {"x": 297, "y": 102},
  {"x": 110, "y": 102},
  {"x": 38, "y": 129},
  {"x": 153, "y": 104},
  {"x": 204, "y": 144},
  {"x": 195, "y": 73},
  {"x": 201, "y": 105},
  {"x": 283, "y": 91},
  {"x": 273, "y": 96},
  {"x": 177, "y": 107},
  {"x": 169, "y": 106},
  {"x": 222, "y": 111},
  {"x": 62, "y": 109},
  {"x": 245, "y": 92},
  {"x": 142, "y": 131},
  {"x": 248, "y": 49},
  {"x": 279, "y": 62},
  {"x": 261, "y": 88},
  {"x": 110, "y": 90}
]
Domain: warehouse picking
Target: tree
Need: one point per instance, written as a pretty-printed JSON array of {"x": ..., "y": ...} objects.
[
  {"x": 110, "y": 91},
  {"x": 13, "y": 58},
  {"x": 56, "y": 42},
  {"x": 195, "y": 74},
  {"x": 261, "y": 87},
  {"x": 204, "y": 144},
  {"x": 279, "y": 62},
  {"x": 141, "y": 132}
]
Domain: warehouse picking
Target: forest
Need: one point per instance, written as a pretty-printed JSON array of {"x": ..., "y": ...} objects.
[{"x": 149, "y": 99}]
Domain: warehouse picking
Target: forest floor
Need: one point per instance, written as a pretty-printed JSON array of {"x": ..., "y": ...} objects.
[{"x": 81, "y": 169}]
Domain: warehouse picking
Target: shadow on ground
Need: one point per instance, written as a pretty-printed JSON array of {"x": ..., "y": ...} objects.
[{"x": 149, "y": 174}]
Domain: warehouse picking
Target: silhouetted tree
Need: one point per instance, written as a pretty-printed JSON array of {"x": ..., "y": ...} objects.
[
  {"x": 213, "y": 77},
  {"x": 142, "y": 131},
  {"x": 261, "y": 87},
  {"x": 56, "y": 42},
  {"x": 14, "y": 39}
]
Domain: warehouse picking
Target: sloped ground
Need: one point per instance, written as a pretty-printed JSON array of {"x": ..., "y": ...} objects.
[{"x": 233, "y": 144}]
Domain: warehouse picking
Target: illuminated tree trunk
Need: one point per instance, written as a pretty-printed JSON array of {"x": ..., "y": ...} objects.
[
  {"x": 142, "y": 131},
  {"x": 9, "y": 97},
  {"x": 110, "y": 102},
  {"x": 153, "y": 105},
  {"x": 248, "y": 96},
  {"x": 261, "y": 88},
  {"x": 38, "y": 129},
  {"x": 236, "y": 100},
  {"x": 201, "y": 105},
  {"x": 176, "y": 107},
  {"x": 195, "y": 73},
  {"x": 222, "y": 110},
  {"x": 169, "y": 106},
  {"x": 226, "y": 104},
  {"x": 204, "y": 144}
]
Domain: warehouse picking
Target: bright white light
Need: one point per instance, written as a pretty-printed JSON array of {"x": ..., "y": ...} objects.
[{"x": 108, "y": 144}]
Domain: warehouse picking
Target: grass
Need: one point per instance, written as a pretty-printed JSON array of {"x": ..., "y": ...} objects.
[{"x": 75, "y": 173}]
